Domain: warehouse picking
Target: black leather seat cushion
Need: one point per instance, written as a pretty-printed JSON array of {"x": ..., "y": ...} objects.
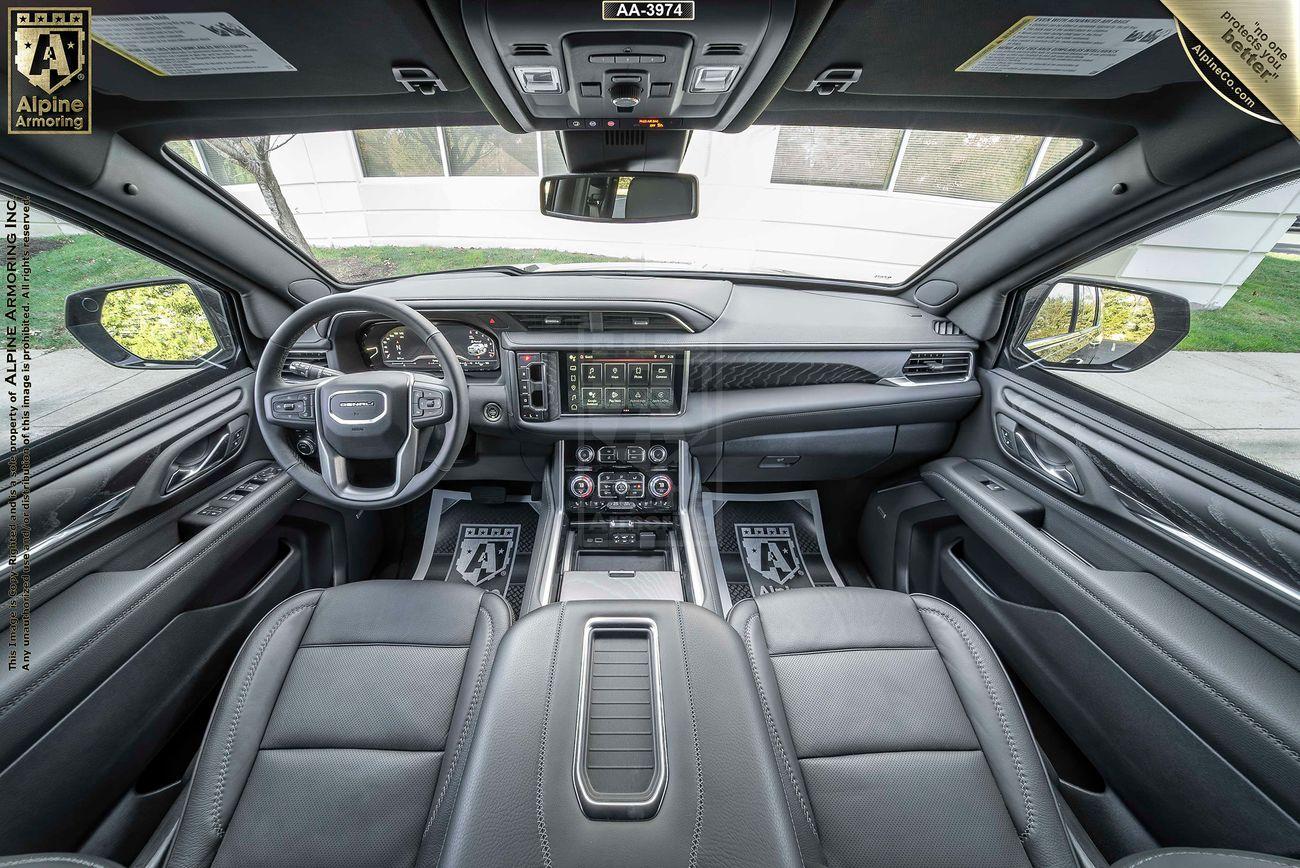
[
  {"x": 899, "y": 737},
  {"x": 341, "y": 734}
]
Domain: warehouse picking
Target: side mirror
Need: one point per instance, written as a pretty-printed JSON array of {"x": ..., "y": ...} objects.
[
  {"x": 1081, "y": 325},
  {"x": 643, "y": 197},
  {"x": 161, "y": 324}
]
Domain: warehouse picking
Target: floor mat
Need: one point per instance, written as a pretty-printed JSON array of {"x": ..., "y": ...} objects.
[
  {"x": 766, "y": 543},
  {"x": 488, "y": 545}
]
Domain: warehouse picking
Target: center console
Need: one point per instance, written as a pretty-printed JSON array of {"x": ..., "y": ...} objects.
[{"x": 623, "y": 535}]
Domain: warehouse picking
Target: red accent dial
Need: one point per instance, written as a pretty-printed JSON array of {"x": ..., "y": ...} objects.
[{"x": 661, "y": 486}]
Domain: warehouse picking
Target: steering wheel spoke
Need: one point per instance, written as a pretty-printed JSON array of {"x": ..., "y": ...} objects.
[
  {"x": 292, "y": 406},
  {"x": 431, "y": 402}
]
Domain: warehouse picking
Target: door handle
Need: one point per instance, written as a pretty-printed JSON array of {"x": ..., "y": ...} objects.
[
  {"x": 185, "y": 474},
  {"x": 1061, "y": 474}
]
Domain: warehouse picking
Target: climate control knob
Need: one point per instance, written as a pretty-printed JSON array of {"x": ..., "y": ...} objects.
[
  {"x": 584, "y": 454},
  {"x": 581, "y": 486},
  {"x": 658, "y": 454},
  {"x": 661, "y": 486}
]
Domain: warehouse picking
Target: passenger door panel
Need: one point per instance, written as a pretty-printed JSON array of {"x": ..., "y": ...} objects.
[{"x": 1160, "y": 624}]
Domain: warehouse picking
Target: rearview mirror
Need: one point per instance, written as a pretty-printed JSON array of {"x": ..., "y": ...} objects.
[
  {"x": 1086, "y": 326},
  {"x": 643, "y": 197},
  {"x": 161, "y": 324}
]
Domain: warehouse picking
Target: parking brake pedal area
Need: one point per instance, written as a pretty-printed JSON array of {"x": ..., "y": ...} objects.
[
  {"x": 767, "y": 543},
  {"x": 488, "y": 545}
]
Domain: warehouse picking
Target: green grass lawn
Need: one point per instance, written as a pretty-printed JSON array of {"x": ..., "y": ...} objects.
[{"x": 1262, "y": 317}]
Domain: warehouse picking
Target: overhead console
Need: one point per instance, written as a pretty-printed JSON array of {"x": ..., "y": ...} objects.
[{"x": 599, "y": 66}]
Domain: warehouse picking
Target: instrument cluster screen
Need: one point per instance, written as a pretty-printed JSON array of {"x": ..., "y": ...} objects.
[
  {"x": 387, "y": 345},
  {"x": 619, "y": 382}
]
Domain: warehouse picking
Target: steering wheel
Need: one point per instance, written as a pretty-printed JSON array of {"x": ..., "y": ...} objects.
[{"x": 372, "y": 428}]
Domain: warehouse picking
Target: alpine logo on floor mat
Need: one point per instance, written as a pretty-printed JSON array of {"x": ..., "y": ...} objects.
[
  {"x": 483, "y": 552},
  {"x": 771, "y": 555}
]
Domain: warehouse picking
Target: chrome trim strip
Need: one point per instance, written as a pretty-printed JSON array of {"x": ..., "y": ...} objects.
[
  {"x": 183, "y": 476},
  {"x": 546, "y": 588},
  {"x": 83, "y": 523},
  {"x": 685, "y": 495},
  {"x": 1160, "y": 523},
  {"x": 646, "y": 807}
]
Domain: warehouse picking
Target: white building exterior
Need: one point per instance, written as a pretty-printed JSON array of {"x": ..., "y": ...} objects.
[{"x": 746, "y": 222}]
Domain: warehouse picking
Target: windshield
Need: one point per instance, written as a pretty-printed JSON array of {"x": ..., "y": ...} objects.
[{"x": 870, "y": 205}]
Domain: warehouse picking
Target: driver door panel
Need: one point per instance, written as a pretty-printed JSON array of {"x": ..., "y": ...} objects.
[
  {"x": 1148, "y": 600},
  {"x": 135, "y": 613}
]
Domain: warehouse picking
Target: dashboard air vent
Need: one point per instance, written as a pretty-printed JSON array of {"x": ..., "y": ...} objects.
[
  {"x": 724, "y": 49},
  {"x": 530, "y": 49},
  {"x": 311, "y": 357},
  {"x": 938, "y": 366},
  {"x": 945, "y": 327},
  {"x": 632, "y": 321},
  {"x": 556, "y": 320}
]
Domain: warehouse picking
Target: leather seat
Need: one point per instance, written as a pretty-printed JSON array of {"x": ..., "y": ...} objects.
[
  {"x": 897, "y": 733},
  {"x": 341, "y": 734}
]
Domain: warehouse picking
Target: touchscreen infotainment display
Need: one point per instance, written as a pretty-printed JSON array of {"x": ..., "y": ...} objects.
[{"x": 623, "y": 382}]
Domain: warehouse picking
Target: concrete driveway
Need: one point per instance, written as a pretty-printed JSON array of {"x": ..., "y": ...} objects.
[
  {"x": 1246, "y": 402},
  {"x": 71, "y": 386}
]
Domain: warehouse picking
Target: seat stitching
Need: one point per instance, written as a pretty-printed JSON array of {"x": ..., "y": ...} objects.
[
  {"x": 1232, "y": 706},
  {"x": 95, "y": 637},
  {"x": 811, "y": 651},
  {"x": 1002, "y": 717},
  {"x": 1242, "y": 856},
  {"x": 543, "y": 839},
  {"x": 772, "y": 730},
  {"x": 695, "y": 738},
  {"x": 218, "y": 794},
  {"x": 469, "y": 715}
]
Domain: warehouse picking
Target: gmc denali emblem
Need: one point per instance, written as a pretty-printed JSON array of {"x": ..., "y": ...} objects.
[{"x": 348, "y": 409}]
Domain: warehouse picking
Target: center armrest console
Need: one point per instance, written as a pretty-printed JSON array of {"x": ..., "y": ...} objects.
[{"x": 621, "y": 732}]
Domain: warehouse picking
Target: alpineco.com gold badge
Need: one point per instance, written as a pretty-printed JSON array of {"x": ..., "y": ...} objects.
[{"x": 49, "y": 73}]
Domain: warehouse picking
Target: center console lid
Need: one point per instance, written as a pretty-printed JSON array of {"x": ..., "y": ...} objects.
[{"x": 621, "y": 732}]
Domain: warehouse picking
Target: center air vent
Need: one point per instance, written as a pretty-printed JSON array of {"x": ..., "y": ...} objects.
[
  {"x": 938, "y": 366},
  {"x": 556, "y": 321},
  {"x": 724, "y": 49},
  {"x": 530, "y": 49},
  {"x": 621, "y": 321}
]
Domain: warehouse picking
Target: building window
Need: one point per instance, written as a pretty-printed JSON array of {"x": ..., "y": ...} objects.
[
  {"x": 836, "y": 157},
  {"x": 989, "y": 167},
  {"x": 490, "y": 151},
  {"x": 401, "y": 153}
]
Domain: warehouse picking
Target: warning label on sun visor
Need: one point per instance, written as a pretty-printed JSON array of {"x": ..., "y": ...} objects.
[
  {"x": 194, "y": 43},
  {"x": 1059, "y": 45}
]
